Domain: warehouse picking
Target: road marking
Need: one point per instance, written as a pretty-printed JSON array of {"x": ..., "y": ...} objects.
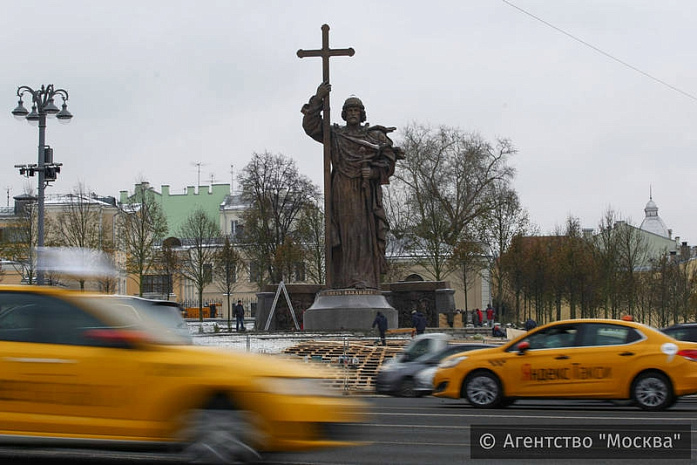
[
  {"x": 411, "y": 443},
  {"x": 417, "y": 426},
  {"x": 551, "y": 417}
]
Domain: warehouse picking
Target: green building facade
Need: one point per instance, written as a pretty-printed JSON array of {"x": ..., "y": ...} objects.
[{"x": 178, "y": 206}]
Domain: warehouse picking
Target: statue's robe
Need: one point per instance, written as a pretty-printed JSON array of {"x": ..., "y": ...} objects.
[{"x": 359, "y": 225}]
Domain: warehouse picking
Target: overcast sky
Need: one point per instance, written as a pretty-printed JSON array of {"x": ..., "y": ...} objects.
[{"x": 157, "y": 87}]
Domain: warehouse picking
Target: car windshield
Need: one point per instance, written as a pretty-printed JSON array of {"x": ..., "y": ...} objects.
[{"x": 161, "y": 323}]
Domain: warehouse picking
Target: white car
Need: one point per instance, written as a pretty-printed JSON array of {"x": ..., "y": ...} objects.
[{"x": 164, "y": 313}]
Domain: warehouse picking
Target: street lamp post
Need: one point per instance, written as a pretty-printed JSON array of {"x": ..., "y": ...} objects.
[{"x": 42, "y": 105}]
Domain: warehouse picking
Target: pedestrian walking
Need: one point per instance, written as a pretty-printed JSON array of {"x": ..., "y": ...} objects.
[{"x": 381, "y": 322}]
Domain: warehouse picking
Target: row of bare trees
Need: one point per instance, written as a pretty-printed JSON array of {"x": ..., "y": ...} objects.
[{"x": 606, "y": 275}]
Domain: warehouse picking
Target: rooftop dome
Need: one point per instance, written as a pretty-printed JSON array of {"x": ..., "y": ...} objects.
[{"x": 652, "y": 222}]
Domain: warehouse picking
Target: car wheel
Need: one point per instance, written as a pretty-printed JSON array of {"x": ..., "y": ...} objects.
[
  {"x": 483, "y": 390},
  {"x": 216, "y": 436},
  {"x": 652, "y": 391},
  {"x": 406, "y": 388}
]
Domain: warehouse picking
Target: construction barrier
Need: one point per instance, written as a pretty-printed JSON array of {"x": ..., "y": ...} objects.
[{"x": 209, "y": 311}]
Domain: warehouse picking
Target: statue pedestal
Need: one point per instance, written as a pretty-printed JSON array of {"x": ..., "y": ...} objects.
[{"x": 337, "y": 309}]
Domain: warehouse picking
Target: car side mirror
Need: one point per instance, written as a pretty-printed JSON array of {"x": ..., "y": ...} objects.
[{"x": 523, "y": 347}]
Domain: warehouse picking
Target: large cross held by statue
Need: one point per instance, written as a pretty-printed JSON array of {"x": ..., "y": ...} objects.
[{"x": 325, "y": 52}]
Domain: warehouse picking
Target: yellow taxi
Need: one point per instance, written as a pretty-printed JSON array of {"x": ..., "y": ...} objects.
[
  {"x": 578, "y": 359},
  {"x": 77, "y": 370}
]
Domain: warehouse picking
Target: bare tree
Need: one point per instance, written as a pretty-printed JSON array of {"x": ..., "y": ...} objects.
[
  {"x": 277, "y": 194},
  {"x": 143, "y": 226},
  {"x": 227, "y": 263},
  {"x": 575, "y": 270},
  {"x": 685, "y": 293},
  {"x": 449, "y": 177},
  {"x": 633, "y": 254},
  {"x": 671, "y": 287},
  {"x": 79, "y": 224},
  {"x": 167, "y": 264},
  {"x": 310, "y": 232},
  {"x": 660, "y": 308},
  {"x": 200, "y": 237},
  {"x": 607, "y": 258},
  {"x": 468, "y": 260},
  {"x": 505, "y": 221},
  {"x": 511, "y": 271},
  {"x": 19, "y": 242},
  {"x": 399, "y": 245},
  {"x": 107, "y": 283}
]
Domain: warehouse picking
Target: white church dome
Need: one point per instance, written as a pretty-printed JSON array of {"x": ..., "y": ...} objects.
[{"x": 652, "y": 222}]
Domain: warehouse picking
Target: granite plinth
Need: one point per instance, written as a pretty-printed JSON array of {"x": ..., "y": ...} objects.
[{"x": 338, "y": 309}]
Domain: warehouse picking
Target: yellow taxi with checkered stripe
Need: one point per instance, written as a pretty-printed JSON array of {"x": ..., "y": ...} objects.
[
  {"x": 575, "y": 359},
  {"x": 77, "y": 370}
]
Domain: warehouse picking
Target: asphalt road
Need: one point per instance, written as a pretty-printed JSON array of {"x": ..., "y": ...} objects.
[{"x": 437, "y": 431}]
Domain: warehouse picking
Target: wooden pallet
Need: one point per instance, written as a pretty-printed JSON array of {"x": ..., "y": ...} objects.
[{"x": 352, "y": 364}]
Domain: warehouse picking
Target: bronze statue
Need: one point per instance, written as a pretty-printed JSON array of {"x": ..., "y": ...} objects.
[{"x": 363, "y": 159}]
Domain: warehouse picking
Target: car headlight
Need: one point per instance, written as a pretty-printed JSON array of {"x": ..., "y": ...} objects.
[
  {"x": 389, "y": 366},
  {"x": 425, "y": 377},
  {"x": 451, "y": 362},
  {"x": 313, "y": 387}
]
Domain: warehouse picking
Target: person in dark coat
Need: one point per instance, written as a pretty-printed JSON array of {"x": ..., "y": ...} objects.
[
  {"x": 381, "y": 322},
  {"x": 530, "y": 324},
  {"x": 450, "y": 318},
  {"x": 418, "y": 321},
  {"x": 497, "y": 331},
  {"x": 238, "y": 311}
]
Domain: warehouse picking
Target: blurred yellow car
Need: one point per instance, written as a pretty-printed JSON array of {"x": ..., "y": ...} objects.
[
  {"x": 77, "y": 370},
  {"x": 579, "y": 359}
]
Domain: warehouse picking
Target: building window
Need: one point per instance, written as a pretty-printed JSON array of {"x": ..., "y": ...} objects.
[
  {"x": 232, "y": 270},
  {"x": 236, "y": 230},
  {"x": 157, "y": 284}
]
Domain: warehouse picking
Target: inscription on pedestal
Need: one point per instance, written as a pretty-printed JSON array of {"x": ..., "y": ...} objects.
[{"x": 340, "y": 292}]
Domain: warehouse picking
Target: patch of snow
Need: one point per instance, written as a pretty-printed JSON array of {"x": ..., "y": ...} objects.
[{"x": 205, "y": 334}]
